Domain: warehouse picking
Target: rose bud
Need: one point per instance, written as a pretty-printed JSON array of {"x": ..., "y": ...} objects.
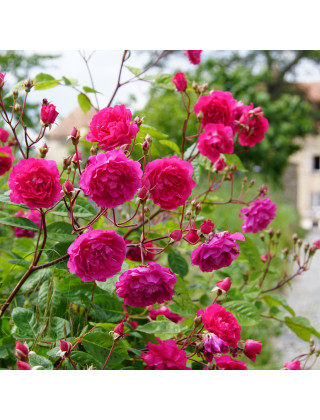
[
  {"x": 176, "y": 235},
  {"x": 23, "y": 366},
  {"x": 180, "y": 82},
  {"x": 74, "y": 136},
  {"x": 4, "y": 135},
  {"x": 28, "y": 84},
  {"x": 206, "y": 227},
  {"x": 65, "y": 346},
  {"x": 264, "y": 258},
  {"x": 252, "y": 348},
  {"x": 119, "y": 328},
  {"x": 43, "y": 150},
  {"x": 67, "y": 188},
  {"x": 76, "y": 157},
  {"x": 2, "y": 76},
  {"x": 143, "y": 193},
  {"x": 316, "y": 243},
  {"x": 48, "y": 114},
  {"x": 295, "y": 365},
  {"x": 21, "y": 351},
  {"x": 192, "y": 236},
  {"x": 224, "y": 284},
  {"x": 220, "y": 165}
]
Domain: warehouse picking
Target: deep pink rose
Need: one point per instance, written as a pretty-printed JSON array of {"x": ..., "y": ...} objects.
[
  {"x": 176, "y": 235},
  {"x": 224, "y": 284},
  {"x": 180, "y": 82},
  {"x": 2, "y": 76},
  {"x": 207, "y": 227},
  {"x": 219, "y": 252},
  {"x": 220, "y": 164},
  {"x": 35, "y": 182},
  {"x": 213, "y": 345},
  {"x": 4, "y": 135},
  {"x": 6, "y": 159},
  {"x": 112, "y": 127},
  {"x": 221, "y": 322},
  {"x": 316, "y": 243},
  {"x": 165, "y": 356},
  {"x": 217, "y": 108},
  {"x": 21, "y": 351},
  {"x": 295, "y": 365},
  {"x": 225, "y": 362},
  {"x": 169, "y": 181},
  {"x": 111, "y": 178},
  {"x": 65, "y": 346},
  {"x": 119, "y": 329},
  {"x": 146, "y": 285},
  {"x": 164, "y": 310},
  {"x": 134, "y": 252},
  {"x": 192, "y": 236},
  {"x": 23, "y": 365},
  {"x": 253, "y": 126},
  {"x": 76, "y": 157},
  {"x": 32, "y": 215},
  {"x": 194, "y": 56},
  {"x": 48, "y": 114},
  {"x": 252, "y": 348},
  {"x": 216, "y": 139},
  {"x": 97, "y": 255},
  {"x": 258, "y": 216}
]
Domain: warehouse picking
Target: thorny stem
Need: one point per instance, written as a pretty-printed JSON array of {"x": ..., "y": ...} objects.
[{"x": 109, "y": 355}]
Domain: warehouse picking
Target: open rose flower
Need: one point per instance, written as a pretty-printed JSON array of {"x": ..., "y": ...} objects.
[
  {"x": 253, "y": 126},
  {"x": 6, "y": 159},
  {"x": 165, "y": 356},
  {"x": 169, "y": 181},
  {"x": 97, "y": 255},
  {"x": 112, "y": 127},
  {"x": 4, "y": 135},
  {"x": 134, "y": 252},
  {"x": 146, "y": 285},
  {"x": 35, "y": 182},
  {"x": 213, "y": 345},
  {"x": 216, "y": 108},
  {"x": 225, "y": 362},
  {"x": 180, "y": 82},
  {"x": 32, "y": 215},
  {"x": 48, "y": 114},
  {"x": 194, "y": 56},
  {"x": 216, "y": 139},
  {"x": 222, "y": 323},
  {"x": 219, "y": 252},
  {"x": 111, "y": 178},
  {"x": 164, "y": 310},
  {"x": 207, "y": 227},
  {"x": 258, "y": 216}
]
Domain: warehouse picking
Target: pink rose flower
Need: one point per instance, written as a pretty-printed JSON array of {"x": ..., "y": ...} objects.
[
  {"x": 225, "y": 362},
  {"x": 194, "y": 56},
  {"x": 253, "y": 126},
  {"x": 146, "y": 285},
  {"x": 169, "y": 181},
  {"x": 252, "y": 348},
  {"x": 258, "y": 216},
  {"x": 4, "y": 135},
  {"x": 224, "y": 284},
  {"x": 48, "y": 114},
  {"x": 192, "y": 236},
  {"x": 180, "y": 82},
  {"x": 112, "y": 127},
  {"x": 35, "y": 182},
  {"x": 216, "y": 139},
  {"x": 219, "y": 252},
  {"x": 23, "y": 365},
  {"x": 32, "y": 215},
  {"x": 295, "y": 365},
  {"x": 207, "y": 227},
  {"x": 221, "y": 322},
  {"x": 220, "y": 164},
  {"x": 21, "y": 351},
  {"x": 111, "y": 178},
  {"x": 164, "y": 310},
  {"x": 316, "y": 243},
  {"x": 176, "y": 235},
  {"x": 165, "y": 356},
  {"x": 119, "y": 329},
  {"x": 213, "y": 345},
  {"x": 97, "y": 255},
  {"x": 134, "y": 252},
  {"x": 6, "y": 159},
  {"x": 216, "y": 108}
]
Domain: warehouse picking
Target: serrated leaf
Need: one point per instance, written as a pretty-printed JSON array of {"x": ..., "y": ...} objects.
[
  {"x": 173, "y": 146},
  {"x": 20, "y": 222},
  {"x": 301, "y": 327},
  {"x": 245, "y": 312},
  {"x": 162, "y": 329},
  {"x": 83, "y": 209},
  {"x": 59, "y": 328},
  {"x": 178, "y": 264},
  {"x": 250, "y": 251},
  {"x": 35, "y": 360},
  {"x": 35, "y": 278},
  {"x": 25, "y": 321},
  {"x": 235, "y": 160},
  {"x": 84, "y": 102},
  {"x": 181, "y": 295},
  {"x": 276, "y": 300},
  {"x": 44, "y": 81},
  {"x": 60, "y": 231},
  {"x": 196, "y": 170},
  {"x": 153, "y": 132},
  {"x": 99, "y": 338},
  {"x": 4, "y": 198}
]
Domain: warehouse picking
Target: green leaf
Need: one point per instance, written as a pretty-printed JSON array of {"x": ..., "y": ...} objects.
[
  {"x": 173, "y": 146},
  {"x": 181, "y": 295},
  {"x": 109, "y": 285},
  {"x": 301, "y": 327},
  {"x": 59, "y": 328},
  {"x": 44, "y": 81},
  {"x": 84, "y": 102},
  {"x": 99, "y": 338},
  {"x": 20, "y": 222},
  {"x": 4, "y": 198},
  {"x": 60, "y": 231},
  {"x": 235, "y": 160},
  {"x": 196, "y": 170},
  {"x": 162, "y": 329},
  {"x": 153, "y": 132},
  {"x": 57, "y": 251},
  {"x": 35, "y": 278},
  {"x": 276, "y": 300},
  {"x": 245, "y": 312},
  {"x": 25, "y": 321},
  {"x": 134, "y": 70},
  {"x": 250, "y": 251},
  {"x": 83, "y": 209},
  {"x": 39, "y": 361},
  {"x": 178, "y": 264},
  {"x": 89, "y": 89}
]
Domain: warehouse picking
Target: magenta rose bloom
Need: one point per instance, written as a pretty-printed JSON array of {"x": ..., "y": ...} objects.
[
  {"x": 216, "y": 139},
  {"x": 222, "y": 323},
  {"x": 23, "y": 365},
  {"x": 219, "y": 252},
  {"x": 48, "y": 114},
  {"x": 207, "y": 227},
  {"x": 225, "y": 362},
  {"x": 295, "y": 365},
  {"x": 224, "y": 284},
  {"x": 180, "y": 82},
  {"x": 35, "y": 182},
  {"x": 258, "y": 216},
  {"x": 253, "y": 126},
  {"x": 252, "y": 348},
  {"x": 213, "y": 345},
  {"x": 4, "y": 135},
  {"x": 146, "y": 285},
  {"x": 220, "y": 165},
  {"x": 165, "y": 356},
  {"x": 97, "y": 255},
  {"x": 112, "y": 127},
  {"x": 32, "y": 215},
  {"x": 169, "y": 182},
  {"x": 164, "y": 310},
  {"x": 111, "y": 178},
  {"x": 217, "y": 108},
  {"x": 6, "y": 159},
  {"x": 194, "y": 56}
]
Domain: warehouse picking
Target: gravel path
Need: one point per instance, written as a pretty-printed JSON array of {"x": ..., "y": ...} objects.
[{"x": 304, "y": 298}]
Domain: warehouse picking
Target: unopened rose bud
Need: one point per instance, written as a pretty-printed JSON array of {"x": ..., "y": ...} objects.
[
  {"x": 143, "y": 194},
  {"x": 77, "y": 157},
  {"x": 307, "y": 246},
  {"x": 176, "y": 235},
  {"x": 74, "y": 136},
  {"x": 252, "y": 182},
  {"x": 119, "y": 328},
  {"x": 68, "y": 170},
  {"x": 197, "y": 321},
  {"x": 198, "y": 208},
  {"x": 245, "y": 180},
  {"x": 203, "y": 88},
  {"x": 15, "y": 93},
  {"x": 147, "y": 211},
  {"x": 270, "y": 232},
  {"x": 264, "y": 258},
  {"x": 262, "y": 237},
  {"x": 2, "y": 81},
  {"x": 67, "y": 162},
  {"x": 224, "y": 284},
  {"x": 28, "y": 84},
  {"x": 233, "y": 167},
  {"x": 43, "y": 150},
  {"x": 188, "y": 214},
  {"x": 252, "y": 348},
  {"x": 23, "y": 365},
  {"x": 65, "y": 346},
  {"x": 148, "y": 138},
  {"x": 299, "y": 242},
  {"x": 295, "y": 237},
  {"x": 93, "y": 151},
  {"x": 48, "y": 113},
  {"x": 145, "y": 147},
  {"x": 68, "y": 188},
  {"x": 21, "y": 351},
  {"x": 138, "y": 121},
  {"x": 285, "y": 251},
  {"x": 312, "y": 250},
  {"x": 17, "y": 108},
  {"x": 195, "y": 86},
  {"x": 278, "y": 233}
]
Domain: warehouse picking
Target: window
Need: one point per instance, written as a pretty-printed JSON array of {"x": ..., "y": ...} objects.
[
  {"x": 316, "y": 163},
  {"x": 315, "y": 201}
]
